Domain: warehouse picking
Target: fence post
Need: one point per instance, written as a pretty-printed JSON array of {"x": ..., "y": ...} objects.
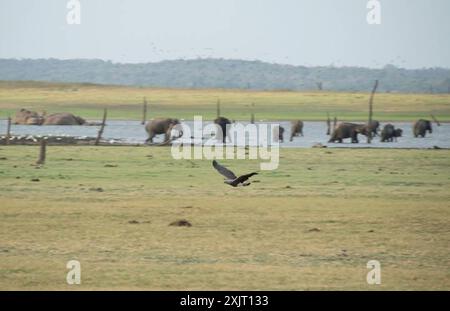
[
  {"x": 328, "y": 124},
  {"x": 144, "y": 111},
  {"x": 100, "y": 132},
  {"x": 218, "y": 108},
  {"x": 435, "y": 120},
  {"x": 8, "y": 131},
  {"x": 42, "y": 152},
  {"x": 369, "y": 131},
  {"x": 252, "y": 117}
]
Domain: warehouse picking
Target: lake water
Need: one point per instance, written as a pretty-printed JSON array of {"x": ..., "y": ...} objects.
[{"x": 315, "y": 132}]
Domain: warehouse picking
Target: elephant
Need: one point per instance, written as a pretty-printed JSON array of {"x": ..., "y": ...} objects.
[
  {"x": 365, "y": 129},
  {"x": 160, "y": 126},
  {"x": 26, "y": 117},
  {"x": 296, "y": 129},
  {"x": 278, "y": 134},
  {"x": 390, "y": 133},
  {"x": 374, "y": 126},
  {"x": 63, "y": 118},
  {"x": 223, "y": 123},
  {"x": 420, "y": 128},
  {"x": 347, "y": 130}
]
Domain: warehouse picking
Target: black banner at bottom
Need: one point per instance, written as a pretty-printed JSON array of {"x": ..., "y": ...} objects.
[{"x": 211, "y": 300}]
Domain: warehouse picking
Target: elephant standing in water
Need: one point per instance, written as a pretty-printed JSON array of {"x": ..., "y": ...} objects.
[
  {"x": 296, "y": 129},
  {"x": 420, "y": 128},
  {"x": 223, "y": 123},
  {"x": 390, "y": 133},
  {"x": 160, "y": 126},
  {"x": 27, "y": 117},
  {"x": 373, "y": 127},
  {"x": 278, "y": 134},
  {"x": 63, "y": 118},
  {"x": 365, "y": 129},
  {"x": 347, "y": 130}
]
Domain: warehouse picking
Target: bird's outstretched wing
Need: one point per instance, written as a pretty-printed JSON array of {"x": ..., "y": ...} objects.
[
  {"x": 224, "y": 171},
  {"x": 243, "y": 178}
]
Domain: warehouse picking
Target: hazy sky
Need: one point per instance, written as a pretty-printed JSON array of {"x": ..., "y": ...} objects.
[{"x": 412, "y": 34}]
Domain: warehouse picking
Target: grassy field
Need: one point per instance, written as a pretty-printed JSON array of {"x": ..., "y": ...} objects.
[
  {"x": 125, "y": 103},
  {"x": 312, "y": 224}
]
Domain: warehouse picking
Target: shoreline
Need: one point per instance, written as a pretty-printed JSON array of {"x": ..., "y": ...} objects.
[{"x": 90, "y": 141}]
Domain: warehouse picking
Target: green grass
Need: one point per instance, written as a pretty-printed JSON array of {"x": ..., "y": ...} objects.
[
  {"x": 125, "y": 103},
  {"x": 386, "y": 205}
]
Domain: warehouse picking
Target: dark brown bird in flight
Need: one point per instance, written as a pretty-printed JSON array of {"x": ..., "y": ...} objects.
[{"x": 230, "y": 178}]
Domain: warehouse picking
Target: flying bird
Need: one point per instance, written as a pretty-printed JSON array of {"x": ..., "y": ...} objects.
[{"x": 230, "y": 178}]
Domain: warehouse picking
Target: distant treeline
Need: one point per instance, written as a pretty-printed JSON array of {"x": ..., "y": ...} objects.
[{"x": 230, "y": 74}]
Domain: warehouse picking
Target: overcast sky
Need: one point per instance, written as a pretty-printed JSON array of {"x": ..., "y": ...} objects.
[{"x": 412, "y": 34}]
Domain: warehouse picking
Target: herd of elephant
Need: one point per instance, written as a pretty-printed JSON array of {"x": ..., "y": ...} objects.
[
  {"x": 346, "y": 130},
  {"x": 388, "y": 134},
  {"x": 343, "y": 130},
  {"x": 27, "y": 117}
]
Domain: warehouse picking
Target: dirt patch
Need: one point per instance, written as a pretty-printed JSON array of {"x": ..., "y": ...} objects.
[
  {"x": 318, "y": 145},
  {"x": 314, "y": 230},
  {"x": 111, "y": 165},
  {"x": 181, "y": 223},
  {"x": 96, "y": 189},
  {"x": 135, "y": 222}
]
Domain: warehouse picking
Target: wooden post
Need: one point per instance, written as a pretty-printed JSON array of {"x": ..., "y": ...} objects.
[
  {"x": 252, "y": 117},
  {"x": 144, "y": 111},
  {"x": 328, "y": 124},
  {"x": 42, "y": 152},
  {"x": 8, "y": 131},
  {"x": 369, "y": 132},
  {"x": 435, "y": 120},
  {"x": 218, "y": 108},
  {"x": 102, "y": 127}
]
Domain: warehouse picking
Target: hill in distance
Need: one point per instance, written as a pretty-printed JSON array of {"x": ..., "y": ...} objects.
[{"x": 227, "y": 74}]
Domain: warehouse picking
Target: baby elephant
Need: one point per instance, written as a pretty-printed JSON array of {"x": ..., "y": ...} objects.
[
  {"x": 296, "y": 129},
  {"x": 223, "y": 123},
  {"x": 421, "y": 127},
  {"x": 278, "y": 134},
  {"x": 160, "y": 126},
  {"x": 390, "y": 133}
]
